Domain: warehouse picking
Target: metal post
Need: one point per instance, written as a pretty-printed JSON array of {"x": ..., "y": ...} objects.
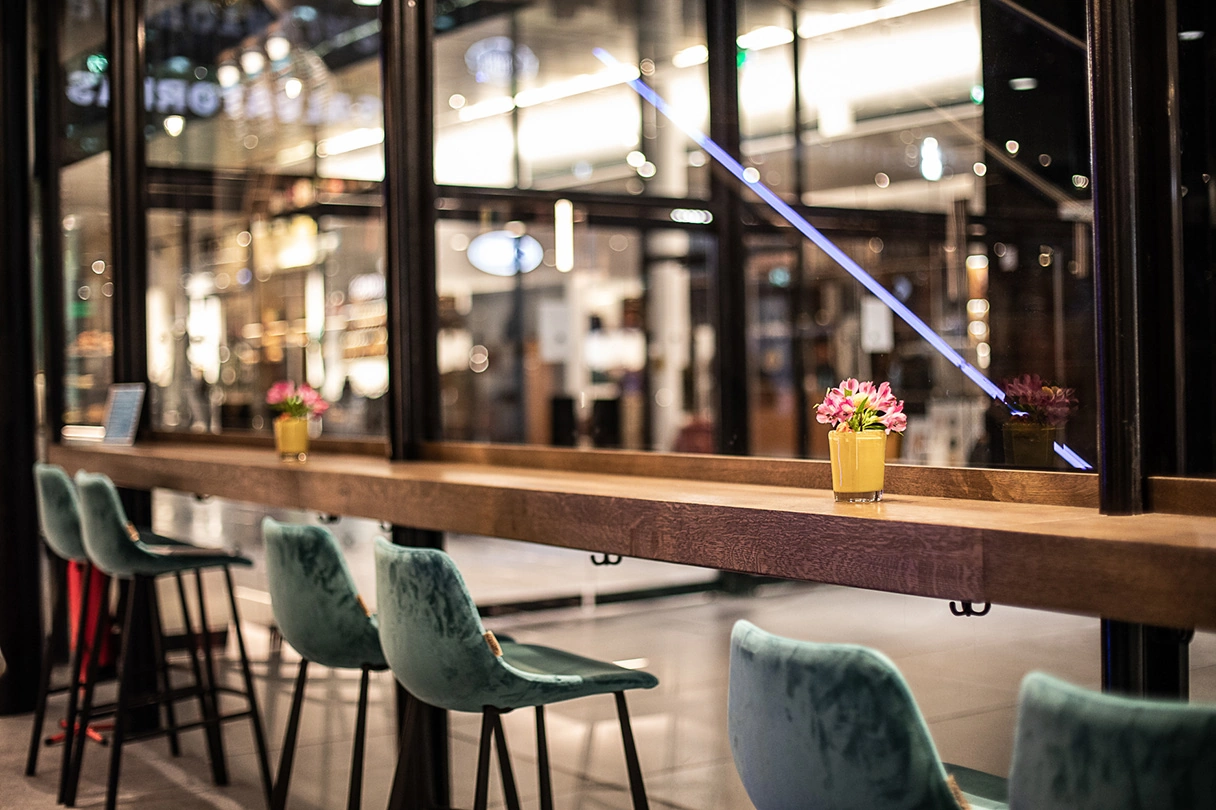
[
  {"x": 721, "y": 30},
  {"x": 20, "y": 576},
  {"x": 1134, "y": 127},
  {"x": 406, "y": 37}
]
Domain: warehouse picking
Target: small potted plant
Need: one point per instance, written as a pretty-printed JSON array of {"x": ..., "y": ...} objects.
[
  {"x": 1038, "y": 410},
  {"x": 861, "y": 415},
  {"x": 296, "y": 405}
]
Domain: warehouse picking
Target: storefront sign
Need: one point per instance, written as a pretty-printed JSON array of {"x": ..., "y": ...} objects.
[{"x": 203, "y": 99}]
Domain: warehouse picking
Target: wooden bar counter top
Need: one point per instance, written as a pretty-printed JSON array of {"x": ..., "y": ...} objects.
[{"x": 1154, "y": 568}]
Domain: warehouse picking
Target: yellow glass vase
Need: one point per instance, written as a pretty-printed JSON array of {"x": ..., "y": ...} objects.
[
  {"x": 291, "y": 438},
  {"x": 858, "y": 464}
]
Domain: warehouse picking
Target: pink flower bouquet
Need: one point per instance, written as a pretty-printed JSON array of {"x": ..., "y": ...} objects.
[
  {"x": 1036, "y": 403},
  {"x": 296, "y": 402},
  {"x": 853, "y": 407}
]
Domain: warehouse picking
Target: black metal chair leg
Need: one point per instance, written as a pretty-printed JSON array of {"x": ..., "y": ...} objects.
[
  {"x": 215, "y": 740},
  {"x": 636, "y": 788},
  {"x": 355, "y": 798},
  {"x": 542, "y": 761},
  {"x": 510, "y": 794},
  {"x": 481, "y": 795},
  {"x": 255, "y": 717},
  {"x": 124, "y": 676},
  {"x": 211, "y": 727},
  {"x": 162, "y": 668},
  {"x": 74, "y": 672},
  {"x": 405, "y": 750},
  {"x": 58, "y": 615},
  {"x": 86, "y": 701},
  {"x": 287, "y": 758}
]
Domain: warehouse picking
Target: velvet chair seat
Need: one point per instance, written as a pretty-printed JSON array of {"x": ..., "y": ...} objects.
[
  {"x": 834, "y": 727},
  {"x": 1081, "y": 750},
  {"x": 116, "y": 549},
  {"x": 315, "y": 601},
  {"x": 439, "y": 651},
  {"x": 320, "y": 613}
]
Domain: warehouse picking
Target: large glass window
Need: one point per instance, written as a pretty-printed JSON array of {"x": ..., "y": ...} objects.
[
  {"x": 88, "y": 277},
  {"x": 965, "y": 124},
  {"x": 521, "y": 100},
  {"x": 266, "y": 243},
  {"x": 614, "y": 349}
]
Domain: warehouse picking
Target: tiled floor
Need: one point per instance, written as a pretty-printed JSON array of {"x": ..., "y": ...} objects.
[{"x": 963, "y": 672}]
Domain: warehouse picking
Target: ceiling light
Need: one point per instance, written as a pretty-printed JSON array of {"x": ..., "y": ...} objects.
[
  {"x": 696, "y": 55},
  {"x": 252, "y": 62},
  {"x": 278, "y": 48},
  {"x": 767, "y": 36},
  {"x": 350, "y": 141},
  {"x": 228, "y": 74},
  {"x": 292, "y": 87},
  {"x": 174, "y": 124}
]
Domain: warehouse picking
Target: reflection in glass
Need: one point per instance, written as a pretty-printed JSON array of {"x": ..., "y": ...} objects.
[
  {"x": 617, "y": 352},
  {"x": 265, "y": 155},
  {"x": 84, "y": 228},
  {"x": 521, "y": 101},
  {"x": 968, "y": 128}
]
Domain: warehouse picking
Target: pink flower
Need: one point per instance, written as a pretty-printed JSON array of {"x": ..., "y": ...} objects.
[
  {"x": 280, "y": 392},
  {"x": 298, "y": 403},
  {"x": 858, "y": 406},
  {"x": 312, "y": 400}
]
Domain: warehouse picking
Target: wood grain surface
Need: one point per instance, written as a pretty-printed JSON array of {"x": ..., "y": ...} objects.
[{"x": 1156, "y": 568}]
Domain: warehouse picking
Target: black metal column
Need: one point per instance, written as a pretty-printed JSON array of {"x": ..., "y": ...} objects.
[
  {"x": 1134, "y": 128},
  {"x": 20, "y": 578},
  {"x": 721, "y": 31},
  {"x": 406, "y": 37},
  {"x": 129, "y": 259},
  {"x": 48, "y": 143}
]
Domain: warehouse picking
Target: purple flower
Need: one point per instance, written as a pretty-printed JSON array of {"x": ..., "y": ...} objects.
[{"x": 1039, "y": 403}]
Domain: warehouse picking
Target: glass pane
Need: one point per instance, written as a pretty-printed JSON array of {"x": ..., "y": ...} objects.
[
  {"x": 522, "y": 100},
  {"x": 266, "y": 242},
  {"x": 964, "y": 128},
  {"x": 84, "y": 182},
  {"x": 617, "y": 352}
]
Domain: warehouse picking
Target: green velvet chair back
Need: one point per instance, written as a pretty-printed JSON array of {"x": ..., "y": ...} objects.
[
  {"x": 316, "y": 604},
  {"x": 828, "y": 726},
  {"x": 431, "y": 632},
  {"x": 59, "y": 512},
  {"x": 105, "y": 528},
  {"x": 1082, "y": 750}
]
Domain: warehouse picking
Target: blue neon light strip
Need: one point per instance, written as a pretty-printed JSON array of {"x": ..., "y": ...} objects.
[{"x": 827, "y": 246}]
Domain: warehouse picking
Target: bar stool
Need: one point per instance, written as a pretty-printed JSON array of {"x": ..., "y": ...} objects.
[
  {"x": 59, "y": 519},
  {"x": 320, "y": 613},
  {"x": 835, "y": 725},
  {"x": 117, "y": 548},
  {"x": 1082, "y": 750},
  {"x": 439, "y": 651}
]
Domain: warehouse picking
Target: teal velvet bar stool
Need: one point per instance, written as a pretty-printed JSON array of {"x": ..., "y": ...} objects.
[
  {"x": 439, "y": 651},
  {"x": 835, "y": 726},
  {"x": 1082, "y": 750},
  {"x": 59, "y": 519},
  {"x": 320, "y": 613},
  {"x": 116, "y": 547}
]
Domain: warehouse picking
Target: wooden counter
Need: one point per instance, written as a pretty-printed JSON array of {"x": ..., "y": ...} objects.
[{"x": 1155, "y": 569}]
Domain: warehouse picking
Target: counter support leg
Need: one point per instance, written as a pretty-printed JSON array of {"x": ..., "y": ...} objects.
[
  {"x": 1144, "y": 660},
  {"x": 426, "y": 783}
]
